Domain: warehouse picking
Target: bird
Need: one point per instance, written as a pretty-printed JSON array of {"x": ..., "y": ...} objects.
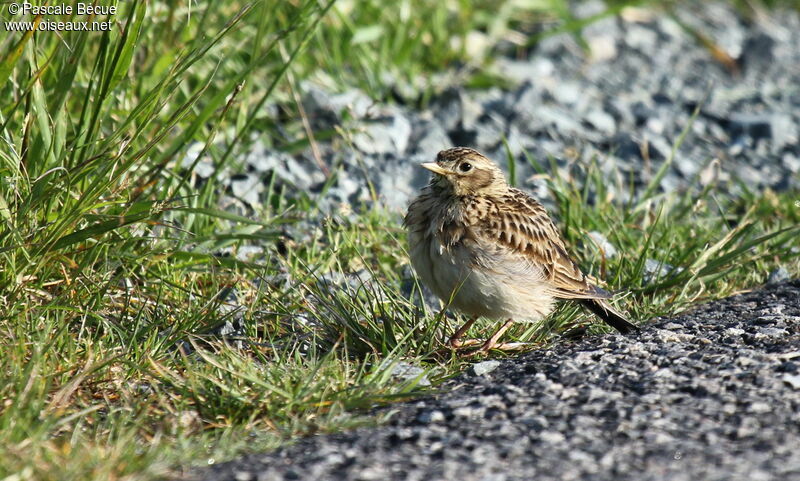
[{"x": 490, "y": 250}]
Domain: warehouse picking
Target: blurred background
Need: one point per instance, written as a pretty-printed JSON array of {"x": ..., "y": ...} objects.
[{"x": 200, "y": 248}]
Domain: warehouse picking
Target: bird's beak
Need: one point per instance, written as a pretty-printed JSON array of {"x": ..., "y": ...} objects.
[{"x": 434, "y": 167}]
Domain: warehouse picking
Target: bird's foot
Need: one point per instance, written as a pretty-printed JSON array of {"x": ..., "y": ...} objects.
[
  {"x": 455, "y": 341},
  {"x": 492, "y": 343},
  {"x": 461, "y": 344}
]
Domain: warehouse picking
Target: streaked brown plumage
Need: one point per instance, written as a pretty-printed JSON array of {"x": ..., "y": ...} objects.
[{"x": 490, "y": 250}]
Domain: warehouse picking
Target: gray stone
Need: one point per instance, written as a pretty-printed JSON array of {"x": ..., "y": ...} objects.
[
  {"x": 247, "y": 188},
  {"x": 567, "y": 93},
  {"x": 321, "y": 104},
  {"x": 779, "y": 128},
  {"x": 430, "y": 417},
  {"x": 601, "y": 242},
  {"x": 561, "y": 119},
  {"x": 429, "y": 138},
  {"x": 655, "y": 270},
  {"x": 602, "y": 121},
  {"x": 352, "y": 282},
  {"x": 484, "y": 367},
  {"x": 204, "y": 168},
  {"x": 687, "y": 167},
  {"x": 792, "y": 380},
  {"x": 791, "y": 162},
  {"x": 233, "y": 205},
  {"x": 398, "y": 184},
  {"x": 641, "y": 38},
  {"x": 248, "y": 253},
  {"x": 778, "y": 275},
  {"x": 489, "y": 132},
  {"x": 521, "y": 71},
  {"x": 447, "y": 109},
  {"x": 471, "y": 110},
  {"x": 784, "y": 132},
  {"x": 410, "y": 373},
  {"x": 388, "y": 134},
  {"x": 302, "y": 173}
]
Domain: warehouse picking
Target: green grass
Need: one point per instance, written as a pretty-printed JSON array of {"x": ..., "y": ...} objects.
[{"x": 109, "y": 282}]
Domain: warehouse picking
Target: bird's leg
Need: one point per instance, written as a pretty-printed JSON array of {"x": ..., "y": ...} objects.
[
  {"x": 491, "y": 343},
  {"x": 455, "y": 340}
]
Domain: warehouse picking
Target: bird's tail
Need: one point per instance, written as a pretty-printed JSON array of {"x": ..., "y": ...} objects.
[{"x": 609, "y": 315}]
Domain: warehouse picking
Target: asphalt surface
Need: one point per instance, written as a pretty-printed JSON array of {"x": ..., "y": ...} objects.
[{"x": 712, "y": 394}]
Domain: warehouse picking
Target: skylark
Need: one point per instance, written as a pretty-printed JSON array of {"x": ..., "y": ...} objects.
[{"x": 490, "y": 250}]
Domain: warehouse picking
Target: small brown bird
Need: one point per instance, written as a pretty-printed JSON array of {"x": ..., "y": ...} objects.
[{"x": 490, "y": 250}]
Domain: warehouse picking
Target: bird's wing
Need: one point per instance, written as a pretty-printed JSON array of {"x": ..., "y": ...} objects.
[{"x": 521, "y": 240}]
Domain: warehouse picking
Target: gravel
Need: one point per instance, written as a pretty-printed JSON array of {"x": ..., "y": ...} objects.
[
  {"x": 626, "y": 103},
  {"x": 711, "y": 394}
]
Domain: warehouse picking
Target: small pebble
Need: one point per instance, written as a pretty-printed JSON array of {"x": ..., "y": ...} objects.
[{"x": 484, "y": 367}]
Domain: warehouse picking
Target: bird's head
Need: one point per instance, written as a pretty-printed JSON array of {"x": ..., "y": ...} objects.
[{"x": 465, "y": 171}]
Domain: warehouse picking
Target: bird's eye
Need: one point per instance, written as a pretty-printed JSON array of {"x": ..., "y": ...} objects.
[{"x": 465, "y": 167}]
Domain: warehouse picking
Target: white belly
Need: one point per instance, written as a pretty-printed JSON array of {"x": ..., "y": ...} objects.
[{"x": 477, "y": 292}]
